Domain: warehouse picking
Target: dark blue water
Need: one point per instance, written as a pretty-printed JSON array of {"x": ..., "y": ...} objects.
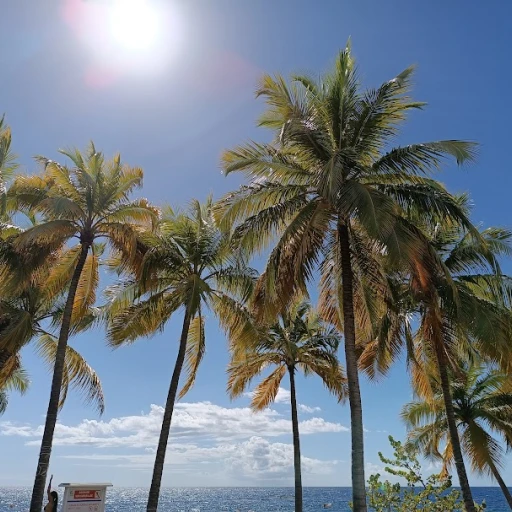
[{"x": 231, "y": 499}]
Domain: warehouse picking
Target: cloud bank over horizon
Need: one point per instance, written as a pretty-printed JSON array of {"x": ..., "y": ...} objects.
[{"x": 221, "y": 445}]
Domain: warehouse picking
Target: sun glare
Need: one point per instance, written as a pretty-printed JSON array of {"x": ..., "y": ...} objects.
[
  {"x": 136, "y": 37},
  {"x": 134, "y": 24}
]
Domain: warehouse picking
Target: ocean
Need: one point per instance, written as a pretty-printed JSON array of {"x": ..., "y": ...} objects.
[{"x": 14, "y": 499}]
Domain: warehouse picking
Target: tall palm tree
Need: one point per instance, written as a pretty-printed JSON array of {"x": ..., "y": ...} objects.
[
  {"x": 85, "y": 202},
  {"x": 189, "y": 266},
  {"x": 482, "y": 405},
  {"x": 300, "y": 341},
  {"x": 463, "y": 311},
  {"x": 324, "y": 187}
]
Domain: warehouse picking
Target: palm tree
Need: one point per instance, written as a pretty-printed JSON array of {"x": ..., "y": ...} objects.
[
  {"x": 299, "y": 341},
  {"x": 7, "y": 167},
  {"x": 463, "y": 311},
  {"x": 12, "y": 378},
  {"x": 324, "y": 187},
  {"x": 7, "y": 163},
  {"x": 189, "y": 266},
  {"x": 85, "y": 202},
  {"x": 31, "y": 310},
  {"x": 20, "y": 270},
  {"x": 447, "y": 312},
  {"x": 482, "y": 405}
]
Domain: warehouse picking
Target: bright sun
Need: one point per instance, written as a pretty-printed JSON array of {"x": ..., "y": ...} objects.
[{"x": 134, "y": 24}]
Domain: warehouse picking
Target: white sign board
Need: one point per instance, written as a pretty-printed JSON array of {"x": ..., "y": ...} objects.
[{"x": 84, "y": 497}]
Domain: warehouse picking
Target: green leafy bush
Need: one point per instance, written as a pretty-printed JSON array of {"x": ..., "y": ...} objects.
[{"x": 431, "y": 494}]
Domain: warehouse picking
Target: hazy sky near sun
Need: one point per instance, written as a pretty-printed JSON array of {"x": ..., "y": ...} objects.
[{"x": 171, "y": 103}]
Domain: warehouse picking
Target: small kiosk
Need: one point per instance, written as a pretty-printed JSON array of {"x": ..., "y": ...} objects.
[{"x": 84, "y": 497}]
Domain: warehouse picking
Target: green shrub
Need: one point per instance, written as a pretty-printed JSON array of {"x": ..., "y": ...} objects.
[{"x": 431, "y": 494}]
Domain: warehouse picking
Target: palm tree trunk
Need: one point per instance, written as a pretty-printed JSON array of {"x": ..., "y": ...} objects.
[
  {"x": 296, "y": 442},
  {"x": 454, "y": 434},
  {"x": 156, "y": 482},
  {"x": 501, "y": 483},
  {"x": 36, "y": 503},
  {"x": 354, "y": 392}
]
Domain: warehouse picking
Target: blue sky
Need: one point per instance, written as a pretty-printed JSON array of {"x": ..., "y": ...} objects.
[{"x": 64, "y": 82}]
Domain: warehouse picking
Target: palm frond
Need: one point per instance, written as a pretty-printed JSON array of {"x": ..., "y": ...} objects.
[
  {"x": 259, "y": 230},
  {"x": 19, "y": 381},
  {"x": 26, "y": 192},
  {"x": 243, "y": 368},
  {"x": 143, "y": 318},
  {"x": 128, "y": 179},
  {"x": 330, "y": 371},
  {"x": 60, "y": 207},
  {"x": 8, "y": 164},
  {"x": 54, "y": 231},
  {"x": 236, "y": 280},
  {"x": 292, "y": 262},
  {"x": 77, "y": 372},
  {"x": 195, "y": 352},
  {"x": 236, "y": 321},
  {"x": 13, "y": 377},
  {"x": 61, "y": 273},
  {"x": 484, "y": 452},
  {"x": 18, "y": 330},
  {"x": 423, "y": 158},
  {"x": 429, "y": 438},
  {"x": 62, "y": 177},
  {"x": 418, "y": 413},
  {"x": 140, "y": 212},
  {"x": 266, "y": 392},
  {"x": 87, "y": 285}
]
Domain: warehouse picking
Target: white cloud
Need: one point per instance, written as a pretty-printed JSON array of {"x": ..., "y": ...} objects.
[
  {"x": 258, "y": 456},
  {"x": 191, "y": 421},
  {"x": 373, "y": 469},
  {"x": 10, "y": 429},
  {"x": 283, "y": 396},
  {"x": 319, "y": 425},
  {"x": 308, "y": 409},
  {"x": 215, "y": 445},
  {"x": 247, "y": 461}
]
